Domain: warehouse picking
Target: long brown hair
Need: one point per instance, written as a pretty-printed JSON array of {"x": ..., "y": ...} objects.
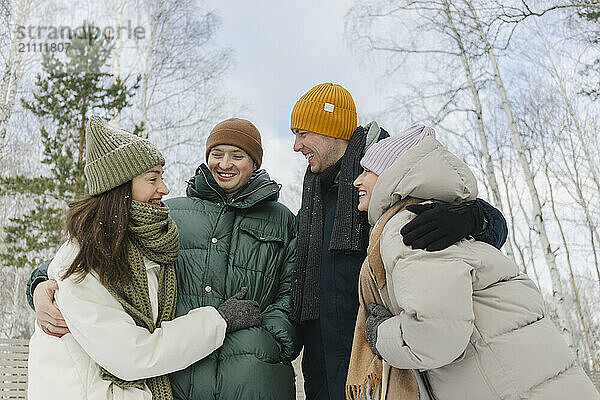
[{"x": 99, "y": 224}]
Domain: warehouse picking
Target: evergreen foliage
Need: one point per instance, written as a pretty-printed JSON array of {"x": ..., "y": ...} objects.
[
  {"x": 71, "y": 87},
  {"x": 592, "y": 16}
]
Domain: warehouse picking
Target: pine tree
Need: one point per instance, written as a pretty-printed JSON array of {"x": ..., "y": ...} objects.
[
  {"x": 591, "y": 15},
  {"x": 71, "y": 87}
]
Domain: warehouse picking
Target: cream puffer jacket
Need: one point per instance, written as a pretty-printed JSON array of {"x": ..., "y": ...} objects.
[
  {"x": 103, "y": 333},
  {"x": 464, "y": 316}
]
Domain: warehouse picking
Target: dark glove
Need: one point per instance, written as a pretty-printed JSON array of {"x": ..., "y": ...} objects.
[
  {"x": 377, "y": 314},
  {"x": 439, "y": 225},
  {"x": 240, "y": 313}
]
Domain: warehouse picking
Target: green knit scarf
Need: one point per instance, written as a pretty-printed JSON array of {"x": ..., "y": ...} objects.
[{"x": 152, "y": 234}]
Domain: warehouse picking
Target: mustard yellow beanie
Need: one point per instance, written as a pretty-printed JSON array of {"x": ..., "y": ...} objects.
[{"x": 326, "y": 109}]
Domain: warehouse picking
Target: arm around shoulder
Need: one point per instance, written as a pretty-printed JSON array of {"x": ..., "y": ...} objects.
[
  {"x": 39, "y": 275},
  {"x": 495, "y": 230},
  {"x": 106, "y": 332}
]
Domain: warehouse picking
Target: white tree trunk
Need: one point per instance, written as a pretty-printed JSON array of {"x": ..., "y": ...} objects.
[
  {"x": 591, "y": 165},
  {"x": 532, "y": 243},
  {"x": 116, "y": 53},
  {"x": 573, "y": 114},
  {"x": 578, "y": 197},
  {"x": 153, "y": 21},
  {"x": 12, "y": 71},
  {"x": 489, "y": 165},
  {"x": 562, "y": 302},
  {"x": 511, "y": 214},
  {"x": 588, "y": 341},
  {"x": 17, "y": 290}
]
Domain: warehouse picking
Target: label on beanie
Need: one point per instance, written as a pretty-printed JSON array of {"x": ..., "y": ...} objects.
[{"x": 328, "y": 107}]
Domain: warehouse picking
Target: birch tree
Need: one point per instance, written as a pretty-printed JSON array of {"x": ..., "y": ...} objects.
[
  {"x": 540, "y": 121},
  {"x": 560, "y": 81},
  {"x": 489, "y": 166},
  {"x": 115, "y": 8},
  {"x": 561, "y": 301},
  {"x": 440, "y": 20},
  {"x": 14, "y": 13},
  {"x": 177, "y": 61},
  {"x": 70, "y": 89},
  {"x": 180, "y": 98},
  {"x": 516, "y": 12}
]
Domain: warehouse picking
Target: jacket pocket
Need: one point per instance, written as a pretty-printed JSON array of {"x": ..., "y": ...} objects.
[
  {"x": 261, "y": 236},
  {"x": 258, "y": 251},
  {"x": 273, "y": 348}
]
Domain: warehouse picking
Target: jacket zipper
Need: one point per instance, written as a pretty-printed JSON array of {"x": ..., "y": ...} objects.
[
  {"x": 214, "y": 190},
  {"x": 425, "y": 378}
]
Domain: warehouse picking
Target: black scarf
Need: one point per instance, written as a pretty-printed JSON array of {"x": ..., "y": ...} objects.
[{"x": 350, "y": 227}]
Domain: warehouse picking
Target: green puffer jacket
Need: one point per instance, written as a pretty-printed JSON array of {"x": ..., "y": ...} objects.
[{"x": 248, "y": 240}]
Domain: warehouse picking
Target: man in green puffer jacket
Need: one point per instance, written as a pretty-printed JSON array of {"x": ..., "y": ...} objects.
[{"x": 235, "y": 234}]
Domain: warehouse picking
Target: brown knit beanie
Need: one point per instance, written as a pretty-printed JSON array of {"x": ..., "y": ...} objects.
[
  {"x": 326, "y": 109},
  {"x": 240, "y": 133}
]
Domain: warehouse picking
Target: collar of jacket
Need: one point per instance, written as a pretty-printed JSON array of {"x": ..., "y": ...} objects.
[
  {"x": 374, "y": 134},
  {"x": 259, "y": 188}
]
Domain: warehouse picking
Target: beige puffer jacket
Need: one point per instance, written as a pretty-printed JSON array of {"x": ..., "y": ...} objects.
[{"x": 465, "y": 316}]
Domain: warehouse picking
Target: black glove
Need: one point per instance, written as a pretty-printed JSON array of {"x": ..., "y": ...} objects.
[
  {"x": 439, "y": 225},
  {"x": 239, "y": 313},
  {"x": 377, "y": 314}
]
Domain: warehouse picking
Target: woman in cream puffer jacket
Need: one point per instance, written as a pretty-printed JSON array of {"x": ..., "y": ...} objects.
[{"x": 465, "y": 317}]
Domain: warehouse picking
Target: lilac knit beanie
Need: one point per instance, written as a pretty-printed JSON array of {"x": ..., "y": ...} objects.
[{"x": 382, "y": 154}]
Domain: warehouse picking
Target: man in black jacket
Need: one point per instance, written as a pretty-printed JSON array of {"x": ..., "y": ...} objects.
[{"x": 332, "y": 236}]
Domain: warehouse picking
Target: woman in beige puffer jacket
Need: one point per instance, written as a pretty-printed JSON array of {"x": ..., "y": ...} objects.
[{"x": 464, "y": 318}]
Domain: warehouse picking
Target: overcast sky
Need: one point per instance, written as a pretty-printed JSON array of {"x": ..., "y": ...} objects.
[{"x": 282, "y": 49}]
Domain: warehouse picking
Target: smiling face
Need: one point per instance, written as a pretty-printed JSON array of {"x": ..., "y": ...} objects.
[
  {"x": 149, "y": 187},
  {"x": 231, "y": 167},
  {"x": 365, "y": 184},
  {"x": 320, "y": 151}
]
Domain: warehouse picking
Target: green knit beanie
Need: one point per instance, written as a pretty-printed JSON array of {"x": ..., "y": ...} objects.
[{"x": 114, "y": 156}]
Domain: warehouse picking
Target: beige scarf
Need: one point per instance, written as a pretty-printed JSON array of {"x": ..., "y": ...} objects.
[{"x": 365, "y": 374}]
